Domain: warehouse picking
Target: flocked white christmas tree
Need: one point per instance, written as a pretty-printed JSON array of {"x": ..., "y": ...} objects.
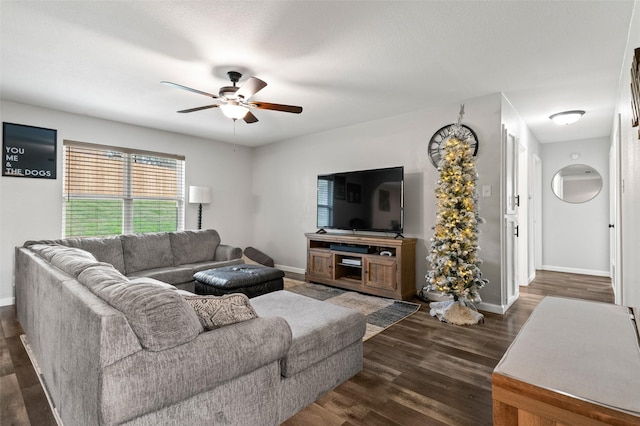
[{"x": 453, "y": 256}]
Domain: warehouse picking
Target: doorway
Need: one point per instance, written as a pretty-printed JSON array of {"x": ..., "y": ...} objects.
[
  {"x": 511, "y": 229},
  {"x": 615, "y": 222}
]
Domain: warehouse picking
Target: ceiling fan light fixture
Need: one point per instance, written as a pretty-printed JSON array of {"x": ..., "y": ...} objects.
[
  {"x": 566, "y": 117},
  {"x": 233, "y": 110},
  {"x": 234, "y": 101}
]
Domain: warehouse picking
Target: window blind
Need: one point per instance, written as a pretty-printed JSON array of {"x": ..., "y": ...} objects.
[
  {"x": 325, "y": 202},
  {"x": 110, "y": 191}
]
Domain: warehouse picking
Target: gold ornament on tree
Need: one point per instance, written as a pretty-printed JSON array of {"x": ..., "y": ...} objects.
[{"x": 453, "y": 256}]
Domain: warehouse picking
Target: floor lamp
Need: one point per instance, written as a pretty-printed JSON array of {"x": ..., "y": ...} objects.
[{"x": 199, "y": 195}]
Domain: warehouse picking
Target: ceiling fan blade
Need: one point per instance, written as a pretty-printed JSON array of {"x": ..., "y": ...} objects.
[
  {"x": 250, "y": 118},
  {"x": 180, "y": 86},
  {"x": 198, "y": 108},
  {"x": 277, "y": 107},
  {"x": 250, "y": 88}
]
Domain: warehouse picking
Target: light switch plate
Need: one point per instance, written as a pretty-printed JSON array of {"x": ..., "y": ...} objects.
[{"x": 486, "y": 190}]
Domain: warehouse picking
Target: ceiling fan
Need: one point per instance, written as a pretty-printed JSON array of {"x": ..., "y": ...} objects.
[{"x": 234, "y": 100}]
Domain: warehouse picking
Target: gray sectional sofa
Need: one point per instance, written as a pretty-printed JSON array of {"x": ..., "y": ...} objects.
[
  {"x": 117, "y": 344},
  {"x": 171, "y": 257}
]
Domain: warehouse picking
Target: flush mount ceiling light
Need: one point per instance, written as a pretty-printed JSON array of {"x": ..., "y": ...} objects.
[{"x": 567, "y": 117}]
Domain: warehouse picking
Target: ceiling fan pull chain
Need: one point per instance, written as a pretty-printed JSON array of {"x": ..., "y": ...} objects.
[{"x": 234, "y": 135}]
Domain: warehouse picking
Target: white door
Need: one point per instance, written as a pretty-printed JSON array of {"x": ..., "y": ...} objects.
[
  {"x": 511, "y": 226},
  {"x": 511, "y": 261},
  {"x": 614, "y": 216}
]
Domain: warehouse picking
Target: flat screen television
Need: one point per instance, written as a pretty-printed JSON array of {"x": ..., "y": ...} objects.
[{"x": 363, "y": 200}]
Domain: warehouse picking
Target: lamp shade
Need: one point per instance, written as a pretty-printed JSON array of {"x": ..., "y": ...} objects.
[{"x": 199, "y": 194}]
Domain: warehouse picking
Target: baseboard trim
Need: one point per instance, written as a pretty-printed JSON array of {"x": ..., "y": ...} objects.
[
  {"x": 433, "y": 296},
  {"x": 482, "y": 306},
  {"x": 8, "y": 301},
  {"x": 494, "y": 309},
  {"x": 286, "y": 268},
  {"x": 576, "y": 270}
]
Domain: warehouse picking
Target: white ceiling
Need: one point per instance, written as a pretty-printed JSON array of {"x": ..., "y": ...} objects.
[{"x": 345, "y": 62}]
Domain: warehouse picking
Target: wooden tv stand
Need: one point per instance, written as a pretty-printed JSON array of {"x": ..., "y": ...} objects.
[{"x": 355, "y": 262}]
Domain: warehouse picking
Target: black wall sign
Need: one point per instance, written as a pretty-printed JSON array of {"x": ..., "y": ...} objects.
[{"x": 28, "y": 151}]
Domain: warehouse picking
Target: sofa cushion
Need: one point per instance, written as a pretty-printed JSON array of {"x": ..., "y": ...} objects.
[
  {"x": 171, "y": 274},
  {"x": 99, "y": 277},
  {"x": 319, "y": 329},
  {"x": 107, "y": 249},
  {"x": 194, "y": 246},
  {"x": 215, "y": 312},
  {"x": 160, "y": 317},
  {"x": 68, "y": 259},
  {"x": 146, "y": 251},
  {"x": 159, "y": 283},
  {"x": 73, "y": 265},
  {"x": 203, "y": 266},
  {"x": 46, "y": 250}
]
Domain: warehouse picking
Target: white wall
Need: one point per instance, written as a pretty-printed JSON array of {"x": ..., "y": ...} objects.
[
  {"x": 575, "y": 237},
  {"x": 285, "y": 175},
  {"x": 630, "y": 173},
  {"x": 32, "y": 208},
  {"x": 269, "y": 193}
]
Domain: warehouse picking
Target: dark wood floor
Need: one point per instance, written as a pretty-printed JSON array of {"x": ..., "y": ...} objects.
[{"x": 418, "y": 372}]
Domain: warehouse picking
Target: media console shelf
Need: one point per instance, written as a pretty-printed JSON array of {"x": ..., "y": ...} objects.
[{"x": 382, "y": 266}]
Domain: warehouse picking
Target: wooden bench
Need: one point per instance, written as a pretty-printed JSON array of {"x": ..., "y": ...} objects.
[{"x": 573, "y": 363}]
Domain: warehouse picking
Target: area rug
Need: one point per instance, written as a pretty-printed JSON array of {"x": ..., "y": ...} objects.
[
  {"x": 36, "y": 367},
  {"x": 381, "y": 312}
]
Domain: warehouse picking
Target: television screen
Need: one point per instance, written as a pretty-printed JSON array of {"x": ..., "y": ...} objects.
[{"x": 364, "y": 200}]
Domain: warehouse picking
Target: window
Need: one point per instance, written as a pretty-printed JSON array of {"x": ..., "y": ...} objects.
[
  {"x": 111, "y": 191},
  {"x": 325, "y": 202}
]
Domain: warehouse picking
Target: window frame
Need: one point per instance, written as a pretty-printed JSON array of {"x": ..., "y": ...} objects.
[
  {"x": 127, "y": 196},
  {"x": 325, "y": 190}
]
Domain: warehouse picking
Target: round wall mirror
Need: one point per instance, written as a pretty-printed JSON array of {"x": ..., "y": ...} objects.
[{"x": 576, "y": 183}]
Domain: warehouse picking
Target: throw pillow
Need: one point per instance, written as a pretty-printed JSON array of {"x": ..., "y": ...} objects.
[
  {"x": 218, "y": 311},
  {"x": 258, "y": 257}
]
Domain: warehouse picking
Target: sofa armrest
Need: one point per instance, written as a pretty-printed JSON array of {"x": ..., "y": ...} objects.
[
  {"x": 176, "y": 374},
  {"x": 227, "y": 252}
]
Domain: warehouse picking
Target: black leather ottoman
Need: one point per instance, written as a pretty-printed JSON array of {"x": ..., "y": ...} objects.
[{"x": 252, "y": 280}]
